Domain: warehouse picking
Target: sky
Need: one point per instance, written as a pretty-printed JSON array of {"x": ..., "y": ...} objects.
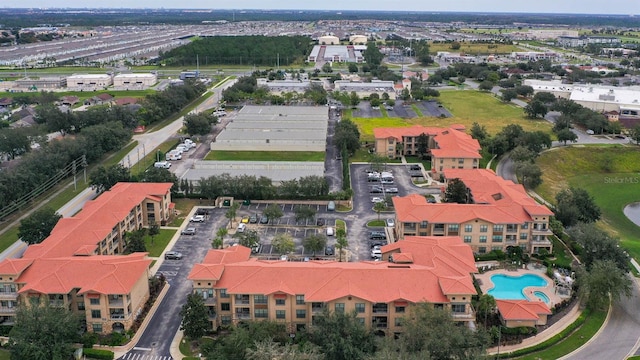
[{"x": 623, "y": 7}]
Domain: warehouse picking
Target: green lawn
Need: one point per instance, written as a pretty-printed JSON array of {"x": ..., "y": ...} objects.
[
  {"x": 578, "y": 338},
  {"x": 265, "y": 156},
  {"x": 586, "y": 167},
  {"x": 366, "y": 125},
  {"x": 474, "y": 48},
  {"x": 160, "y": 242},
  {"x": 4, "y": 354}
]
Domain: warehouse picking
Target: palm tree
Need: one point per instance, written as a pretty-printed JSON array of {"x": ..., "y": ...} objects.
[
  {"x": 341, "y": 241},
  {"x": 486, "y": 305},
  {"x": 379, "y": 207}
]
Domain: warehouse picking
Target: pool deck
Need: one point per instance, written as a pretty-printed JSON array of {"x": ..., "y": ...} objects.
[{"x": 486, "y": 284}]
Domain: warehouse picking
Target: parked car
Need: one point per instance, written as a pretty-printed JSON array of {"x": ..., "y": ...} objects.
[
  {"x": 320, "y": 222},
  {"x": 245, "y": 219},
  {"x": 376, "y": 254},
  {"x": 376, "y": 190},
  {"x": 590, "y": 132},
  {"x": 331, "y": 206},
  {"x": 392, "y": 190},
  {"x": 197, "y": 218},
  {"x": 188, "y": 231},
  {"x": 264, "y": 219},
  {"x": 390, "y": 222},
  {"x": 330, "y": 231},
  {"x": 377, "y": 199},
  {"x": 172, "y": 255},
  {"x": 253, "y": 219},
  {"x": 377, "y": 235},
  {"x": 162, "y": 164},
  {"x": 256, "y": 248},
  {"x": 415, "y": 167},
  {"x": 241, "y": 227},
  {"x": 329, "y": 250}
]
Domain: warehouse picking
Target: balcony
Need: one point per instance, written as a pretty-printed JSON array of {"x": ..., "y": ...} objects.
[
  {"x": 7, "y": 310},
  {"x": 244, "y": 315},
  {"x": 380, "y": 308},
  {"x": 317, "y": 307},
  {"x": 8, "y": 295},
  {"x": 212, "y": 315},
  {"x": 380, "y": 322},
  {"x": 116, "y": 303},
  {"x": 119, "y": 316}
]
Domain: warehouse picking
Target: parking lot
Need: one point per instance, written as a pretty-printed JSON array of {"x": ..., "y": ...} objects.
[{"x": 401, "y": 110}]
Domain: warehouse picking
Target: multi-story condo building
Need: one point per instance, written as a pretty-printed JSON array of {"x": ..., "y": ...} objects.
[
  {"x": 449, "y": 148},
  {"x": 435, "y": 270},
  {"x": 500, "y": 214},
  {"x": 78, "y": 266}
]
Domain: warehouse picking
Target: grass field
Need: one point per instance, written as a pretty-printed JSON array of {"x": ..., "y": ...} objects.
[
  {"x": 160, "y": 242},
  {"x": 265, "y": 156},
  {"x": 610, "y": 174},
  {"x": 467, "y": 107},
  {"x": 474, "y": 49}
]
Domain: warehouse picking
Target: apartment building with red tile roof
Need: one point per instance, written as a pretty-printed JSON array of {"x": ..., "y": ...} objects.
[
  {"x": 79, "y": 266},
  {"x": 449, "y": 148},
  {"x": 434, "y": 270},
  {"x": 501, "y": 214},
  {"x": 516, "y": 313}
]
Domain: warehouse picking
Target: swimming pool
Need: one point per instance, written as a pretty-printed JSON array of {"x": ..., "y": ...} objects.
[
  {"x": 510, "y": 287},
  {"x": 542, "y": 296}
]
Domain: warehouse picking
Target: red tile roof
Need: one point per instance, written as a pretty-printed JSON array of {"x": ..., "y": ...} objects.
[
  {"x": 522, "y": 309},
  {"x": 496, "y": 200},
  {"x": 80, "y": 235},
  {"x": 444, "y": 271},
  {"x": 451, "y": 142},
  {"x": 116, "y": 274}
]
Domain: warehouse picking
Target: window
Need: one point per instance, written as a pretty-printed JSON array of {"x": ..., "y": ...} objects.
[
  {"x": 360, "y": 320},
  {"x": 340, "y": 308},
  {"x": 468, "y": 228},
  {"x": 525, "y": 226},
  {"x": 225, "y": 307},
  {"x": 523, "y": 236},
  {"x": 299, "y": 299},
  {"x": 467, "y": 238},
  {"x": 225, "y": 319},
  {"x": 498, "y": 228},
  {"x": 97, "y": 328},
  {"x": 483, "y": 228},
  {"x": 423, "y": 224},
  {"x": 81, "y": 306},
  {"x": 398, "y": 321},
  {"x": 359, "y": 308},
  {"x": 280, "y": 314},
  {"x": 496, "y": 238},
  {"x": 223, "y": 293},
  {"x": 259, "y": 299},
  {"x": 400, "y": 309},
  {"x": 96, "y": 314},
  {"x": 454, "y": 227},
  {"x": 482, "y": 250},
  {"x": 458, "y": 308},
  {"x": 483, "y": 238},
  {"x": 94, "y": 301},
  {"x": 496, "y": 248},
  {"x": 301, "y": 314},
  {"x": 280, "y": 301},
  {"x": 260, "y": 313}
]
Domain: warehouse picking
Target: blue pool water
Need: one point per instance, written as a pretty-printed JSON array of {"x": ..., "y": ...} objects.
[
  {"x": 542, "y": 296},
  {"x": 510, "y": 287}
]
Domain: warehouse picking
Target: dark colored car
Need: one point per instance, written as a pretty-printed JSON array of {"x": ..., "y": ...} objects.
[
  {"x": 264, "y": 219},
  {"x": 188, "y": 231},
  {"x": 320, "y": 222},
  {"x": 377, "y": 235},
  {"x": 376, "y": 190},
  {"x": 329, "y": 251},
  {"x": 253, "y": 219},
  {"x": 172, "y": 255}
]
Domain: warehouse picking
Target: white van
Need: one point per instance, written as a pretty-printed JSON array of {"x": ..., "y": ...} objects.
[
  {"x": 173, "y": 155},
  {"x": 162, "y": 164},
  {"x": 184, "y": 148},
  {"x": 330, "y": 231},
  {"x": 189, "y": 143}
]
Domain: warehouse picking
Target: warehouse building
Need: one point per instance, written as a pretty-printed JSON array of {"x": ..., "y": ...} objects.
[
  {"x": 134, "y": 81},
  {"x": 328, "y": 40},
  {"x": 89, "y": 81},
  {"x": 337, "y": 53},
  {"x": 365, "y": 89},
  {"x": 277, "y": 171},
  {"x": 43, "y": 83},
  {"x": 275, "y": 128},
  {"x": 358, "y": 39}
]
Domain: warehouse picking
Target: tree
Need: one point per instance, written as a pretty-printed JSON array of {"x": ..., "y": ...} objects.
[
  {"x": 545, "y": 97},
  {"x": 486, "y": 85},
  {"x": 315, "y": 242},
  {"x": 103, "y": 178},
  {"x": 154, "y": 229},
  {"x": 270, "y": 349},
  {"x": 199, "y": 124},
  {"x": 604, "y": 280},
  {"x": 341, "y": 336},
  {"x": 372, "y": 54},
  {"x": 575, "y": 205},
  {"x": 530, "y": 174},
  {"x": 479, "y": 132},
  {"x": 535, "y": 109},
  {"x": 354, "y": 99},
  {"x": 565, "y": 135},
  {"x": 44, "y": 332},
  {"x": 598, "y": 245},
  {"x": 485, "y": 307},
  {"x": 377, "y": 162},
  {"x": 283, "y": 243},
  {"x": 232, "y": 212},
  {"x": 37, "y": 226},
  {"x": 347, "y": 135},
  {"x": 634, "y": 134},
  {"x": 375, "y": 102},
  {"x": 273, "y": 212},
  {"x": 422, "y": 143},
  {"x": 341, "y": 241},
  {"x": 379, "y": 207},
  {"x": 326, "y": 68},
  {"x": 135, "y": 241},
  {"x": 457, "y": 192},
  {"x": 522, "y": 154},
  {"x": 218, "y": 241},
  {"x": 248, "y": 238},
  {"x": 195, "y": 320},
  {"x": 455, "y": 45},
  {"x": 14, "y": 142},
  {"x": 524, "y": 90},
  {"x": 509, "y": 94},
  {"x": 304, "y": 212},
  {"x": 353, "y": 68}
]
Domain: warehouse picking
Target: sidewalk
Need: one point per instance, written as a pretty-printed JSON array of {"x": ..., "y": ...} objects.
[{"x": 545, "y": 335}]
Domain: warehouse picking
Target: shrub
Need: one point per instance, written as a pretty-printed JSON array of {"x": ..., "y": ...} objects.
[
  {"x": 5, "y": 329},
  {"x": 98, "y": 354}
]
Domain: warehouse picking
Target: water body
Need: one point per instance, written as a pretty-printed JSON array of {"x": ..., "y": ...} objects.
[{"x": 632, "y": 212}]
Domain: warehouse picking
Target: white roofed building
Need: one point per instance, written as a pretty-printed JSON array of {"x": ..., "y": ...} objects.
[
  {"x": 134, "y": 81},
  {"x": 89, "y": 81}
]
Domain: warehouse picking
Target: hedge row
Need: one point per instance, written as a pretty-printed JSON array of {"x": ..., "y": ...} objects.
[
  {"x": 98, "y": 354},
  {"x": 551, "y": 341}
]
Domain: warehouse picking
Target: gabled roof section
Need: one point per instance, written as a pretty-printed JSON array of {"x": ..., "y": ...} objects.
[
  {"x": 455, "y": 143},
  {"x": 14, "y": 266},
  {"x": 115, "y": 274},
  {"x": 522, "y": 309},
  {"x": 80, "y": 234}
]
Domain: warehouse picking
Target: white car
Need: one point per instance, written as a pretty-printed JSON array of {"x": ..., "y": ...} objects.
[
  {"x": 390, "y": 222},
  {"x": 241, "y": 227},
  {"x": 391, "y": 190},
  {"x": 377, "y": 200},
  {"x": 376, "y": 254},
  {"x": 330, "y": 231},
  {"x": 197, "y": 218}
]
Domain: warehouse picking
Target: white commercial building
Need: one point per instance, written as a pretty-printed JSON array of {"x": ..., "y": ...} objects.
[
  {"x": 275, "y": 128},
  {"x": 277, "y": 171},
  {"x": 89, "y": 81},
  {"x": 328, "y": 40},
  {"x": 358, "y": 39},
  {"x": 134, "y": 81},
  {"x": 337, "y": 53},
  {"x": 364, "y": 89}
]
